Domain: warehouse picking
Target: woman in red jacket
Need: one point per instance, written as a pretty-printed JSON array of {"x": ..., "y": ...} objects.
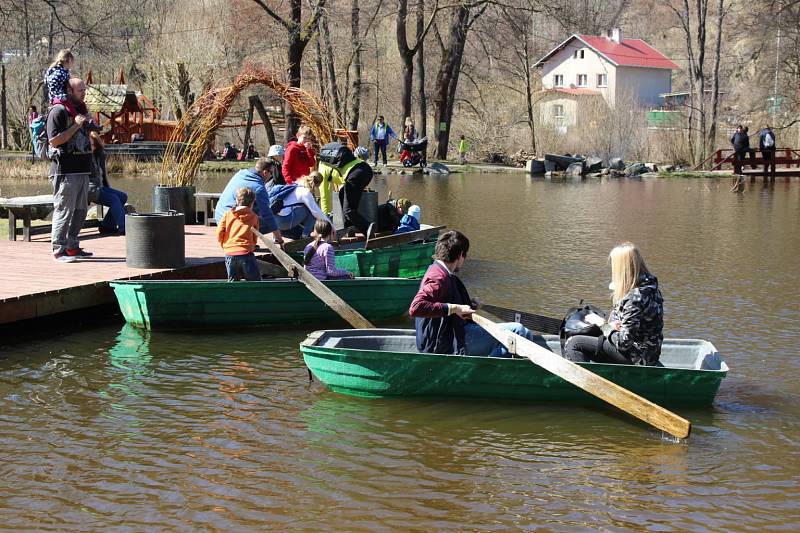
[{"x": 300, "y": 159}]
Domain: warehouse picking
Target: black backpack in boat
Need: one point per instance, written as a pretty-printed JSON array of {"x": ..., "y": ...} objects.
[
  {"x": 574, "y": 322},
  {"x": 334, "y": 153}
]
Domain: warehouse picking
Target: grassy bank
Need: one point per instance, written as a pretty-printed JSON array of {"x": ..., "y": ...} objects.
[{"x": 694, "y": 174}]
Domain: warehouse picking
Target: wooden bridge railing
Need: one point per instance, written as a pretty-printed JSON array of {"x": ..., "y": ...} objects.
[{"x": 783, "y": 156}]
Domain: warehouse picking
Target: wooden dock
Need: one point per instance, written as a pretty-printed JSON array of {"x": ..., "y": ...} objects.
[{"x": 33, "y": 285}]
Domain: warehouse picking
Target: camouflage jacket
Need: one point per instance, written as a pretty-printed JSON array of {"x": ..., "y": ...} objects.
[{"x": 641, "y": 313}]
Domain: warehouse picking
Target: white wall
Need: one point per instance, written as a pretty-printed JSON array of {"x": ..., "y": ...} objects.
[
  {"x": 644, "y": 83},
  {"x": 546, "y": 107}
]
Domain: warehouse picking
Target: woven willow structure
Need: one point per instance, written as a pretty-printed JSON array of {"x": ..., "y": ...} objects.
[{"x": 205, "y": 116}]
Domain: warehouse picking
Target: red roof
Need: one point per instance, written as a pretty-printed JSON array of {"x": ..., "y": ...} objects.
[{"x": 629, "y": 52}]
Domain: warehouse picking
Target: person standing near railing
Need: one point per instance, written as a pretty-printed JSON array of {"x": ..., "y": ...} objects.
[
  {"x": 767, "y": 144},
  {"x": 741, "y": 146}
]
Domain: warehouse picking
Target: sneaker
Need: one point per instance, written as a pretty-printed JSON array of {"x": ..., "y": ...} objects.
[
  {"x": 78, "y": 252},
  {"x": 64, "y": 258}
]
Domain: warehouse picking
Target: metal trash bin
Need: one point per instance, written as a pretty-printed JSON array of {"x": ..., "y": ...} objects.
[{"x": 155, "y": 240}]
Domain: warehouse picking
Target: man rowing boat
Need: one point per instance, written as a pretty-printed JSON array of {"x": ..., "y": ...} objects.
[{"x": 443, "y": 308}]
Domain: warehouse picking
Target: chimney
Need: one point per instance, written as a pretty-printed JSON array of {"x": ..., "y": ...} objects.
[{"x": 615, "y": 34}]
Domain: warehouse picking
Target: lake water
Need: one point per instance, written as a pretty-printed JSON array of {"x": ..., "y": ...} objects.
[{"x": 108, "y": 428}]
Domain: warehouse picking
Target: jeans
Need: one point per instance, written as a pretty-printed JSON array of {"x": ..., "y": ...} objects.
[
  {"x": 480, "y": 342},
  {"x": 380, "y": 145},
  {"x": 769, "y": 162},
  {"x": 300, "y": 215},
  {"x": 115, "y": 201},
  {"x": 585, "y": 348},
  {"x": 738, "y": 160},
  {"x": 70, "y": 206},
  {"x": 242, "y": 266}
]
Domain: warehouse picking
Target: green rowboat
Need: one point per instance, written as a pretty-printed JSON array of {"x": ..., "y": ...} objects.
[
  {"x": 385, "y": 362},
  {"x": 199, "y": 303},
  {"x": 404, "y": 261}
]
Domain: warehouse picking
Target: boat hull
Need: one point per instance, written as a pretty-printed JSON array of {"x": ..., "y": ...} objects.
[
  {"x": 181, "y": 304},
  {"x": 405, "y": 261},
  {"x": 386, "y": 372}
]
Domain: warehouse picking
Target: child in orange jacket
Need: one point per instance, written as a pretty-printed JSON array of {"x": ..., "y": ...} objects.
[{"x": 236, "y": 239}]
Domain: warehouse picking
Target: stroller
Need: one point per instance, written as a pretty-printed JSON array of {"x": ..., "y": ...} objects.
[{"x": 414, "y": 152}]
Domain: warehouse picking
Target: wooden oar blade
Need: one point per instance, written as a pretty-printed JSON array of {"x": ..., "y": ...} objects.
[
  {"x": 330, "y": 298},
  {"x": 539, "y": 323},
  {"x": 590, "y": 382}
]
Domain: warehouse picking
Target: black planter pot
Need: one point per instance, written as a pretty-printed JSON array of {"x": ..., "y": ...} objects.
[
  {"x": 154, "y": 240},
  {"x": 178, "y": 199}
]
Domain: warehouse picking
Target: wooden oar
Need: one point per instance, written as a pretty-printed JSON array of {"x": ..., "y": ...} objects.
[
  {"x": 532, "y": 321},
  {"x": 589, "y": 381},
  {"x": 330, "y": 298}
]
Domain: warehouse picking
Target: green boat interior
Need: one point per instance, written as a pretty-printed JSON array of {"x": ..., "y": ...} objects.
[{"x": 689, "y": 354}]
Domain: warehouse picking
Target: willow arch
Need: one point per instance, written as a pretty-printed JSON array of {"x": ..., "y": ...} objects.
[{"x": 205, "y": 116}]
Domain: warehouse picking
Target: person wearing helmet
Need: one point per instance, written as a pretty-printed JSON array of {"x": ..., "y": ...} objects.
[{"x": 275, "y": 163}]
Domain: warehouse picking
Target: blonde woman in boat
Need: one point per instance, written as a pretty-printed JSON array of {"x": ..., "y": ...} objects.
[{"x": 634, "y": 332}]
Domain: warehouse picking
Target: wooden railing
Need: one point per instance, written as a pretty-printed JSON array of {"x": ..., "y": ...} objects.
[{"x": 783, "y": 156}]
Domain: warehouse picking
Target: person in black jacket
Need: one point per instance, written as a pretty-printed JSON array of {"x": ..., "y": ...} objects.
[
  {"x": 633, "y": 334},
  {"x": 356, "y": 180},
  {"x": 741, "y": 147}
]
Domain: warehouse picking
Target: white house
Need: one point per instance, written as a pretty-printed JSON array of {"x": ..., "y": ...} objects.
[{"x": 609, "y": 66}]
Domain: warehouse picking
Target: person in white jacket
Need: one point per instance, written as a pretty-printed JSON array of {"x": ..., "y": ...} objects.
[{"x": 300, "y": 210}]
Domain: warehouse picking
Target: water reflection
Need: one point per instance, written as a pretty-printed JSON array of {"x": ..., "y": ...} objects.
[{"x": 115, "y": 428}]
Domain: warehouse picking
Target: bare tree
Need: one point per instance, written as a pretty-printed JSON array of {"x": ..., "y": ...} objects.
[
  {"x": 407, "y": 52},
  {"x": 299, "y": 35},
  {"x": 450, "y": 69}
]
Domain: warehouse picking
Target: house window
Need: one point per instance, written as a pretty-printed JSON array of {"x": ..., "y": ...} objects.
[
  {"x": 581, "y": 56},
  {"x": 578, "y": 54},
  {"x": 558, "y": 111},
  {"x": 582, "y": 80},
  {"x": 558, "y": 80},
  {"x": 602, "y": 80}
]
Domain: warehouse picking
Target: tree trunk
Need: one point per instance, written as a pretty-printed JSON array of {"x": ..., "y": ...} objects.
[
  {"x": 249, "y": 125},
  {"x": 529, "y": 90},
  {"x": 712, "y": 130},
  {"x": 321, "y": 85},
  {"x": 295, "y": 57},
  {"x": 298, "y": 37},
  {"x": 355, "y": 36},
  {"x": 255, "y": 101},
  {"x": 420, "y": 57},
  {"x": 701, "y": 9},
  {"x": 406, "y": 59},
  {"x": 333, "y": 89},
  {"x": 447, "y": 78}
]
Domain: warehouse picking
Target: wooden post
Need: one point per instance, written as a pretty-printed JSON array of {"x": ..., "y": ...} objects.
[{"x": 582, "y": 378}]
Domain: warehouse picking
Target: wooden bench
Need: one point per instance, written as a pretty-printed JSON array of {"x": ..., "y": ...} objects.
[
  {"x": 24, "y": 208},
  {"x": 209, "y": 200}
]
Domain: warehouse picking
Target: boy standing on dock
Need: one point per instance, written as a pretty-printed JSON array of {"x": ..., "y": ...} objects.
[{"x": 235, "y": 237}]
